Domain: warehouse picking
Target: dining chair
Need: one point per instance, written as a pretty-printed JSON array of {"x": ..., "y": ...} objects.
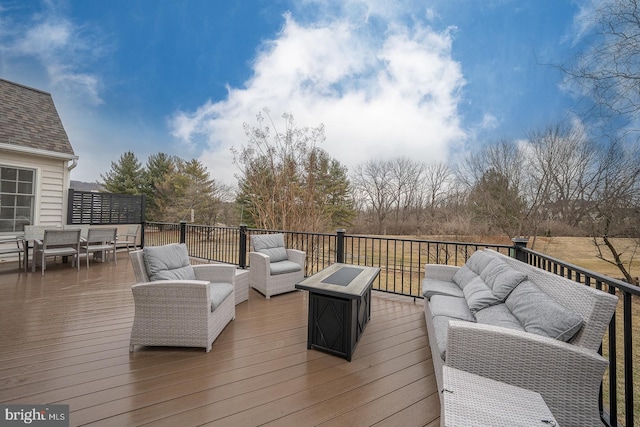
[
  {"x": 56, "y": 243},
  {"x": 32, "y": 235},
  {"x": 100, "y": 240},
  {"x": 11, "y": 245},
  {"x": 129, "y": 238}
]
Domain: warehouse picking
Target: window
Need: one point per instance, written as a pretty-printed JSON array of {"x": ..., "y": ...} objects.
[{"x": 16, "y": 198}]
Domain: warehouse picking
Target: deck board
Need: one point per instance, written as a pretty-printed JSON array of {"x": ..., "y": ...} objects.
[{"x": 65, "y": 339}]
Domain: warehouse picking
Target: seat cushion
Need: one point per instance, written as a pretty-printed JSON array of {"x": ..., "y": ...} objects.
[
  {"x": 218, "y": 292},
  {"x": 448, "y": 306},
  {"x": 272, "y": 245},
  {"x": 168, "y": 262},
  {"x": 540, "y": 314},
  {"x": 284, "y": 267},
  {"x": 498, "y": 315},
  {"x": 431, "y": 287}
]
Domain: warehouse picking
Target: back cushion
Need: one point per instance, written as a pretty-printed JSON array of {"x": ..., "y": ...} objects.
[
  {"x": 478, "y": 261},
  {"x": 463, "y": 276},
  {"x": 478, "y": 295},
  {"x": 168, "y": 262},
  {"x": 501, "y": 278},
  {"x": 540, "y": 314},
  {"x": 271, "y": 245}
]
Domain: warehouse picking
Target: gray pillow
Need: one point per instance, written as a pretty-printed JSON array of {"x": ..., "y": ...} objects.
[
  {"x": 271, "y": 245},
  {"x": 463, "y": 276},
  {"x": 168, "y": 262},
  {"x": 478, "y": 295},
  {"x": 478, "y": 261},
  {"x": 501, "y": 278},
  {"x": 540, "y": 314}
]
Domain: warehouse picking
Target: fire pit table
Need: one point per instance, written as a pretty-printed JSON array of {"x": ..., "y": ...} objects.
[{"x": 339, "y": 307}]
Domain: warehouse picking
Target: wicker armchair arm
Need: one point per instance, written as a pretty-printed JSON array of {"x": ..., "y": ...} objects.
[
  {"x": 220, "y": 273},
  {"x": 567, "y": 376},
  {"x": 258, "y": 266},
  {"x": 166, "y": 296},
  {"x": 440, "y": 271},
  {"x": 296, "y": 256}
]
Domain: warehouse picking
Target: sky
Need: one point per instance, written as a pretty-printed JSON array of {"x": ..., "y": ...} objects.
[{"x": 429, "y": 80}]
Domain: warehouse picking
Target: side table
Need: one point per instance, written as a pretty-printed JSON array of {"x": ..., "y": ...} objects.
[
  {"x": 471, "y": 400},
  {"x": 241, "y": 285}
]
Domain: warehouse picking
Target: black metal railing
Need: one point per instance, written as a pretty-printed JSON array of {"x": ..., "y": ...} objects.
[
  {"x": 402, "y": 268},
  {"x": 401, "y": 261},
  {"x": 618, "y": 389}
]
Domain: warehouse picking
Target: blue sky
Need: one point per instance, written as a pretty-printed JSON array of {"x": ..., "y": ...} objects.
[{"x": 428, "y": 80}]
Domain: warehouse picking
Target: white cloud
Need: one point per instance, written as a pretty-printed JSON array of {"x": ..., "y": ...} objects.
[
  {"x": 380, "y": 93},
  {"x": 489, "y": 122},
  {"x": 60, "y": 47}
]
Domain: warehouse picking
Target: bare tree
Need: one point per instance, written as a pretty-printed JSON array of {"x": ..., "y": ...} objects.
[
  {"x": 287, "y": 182},
  {"x": 371, "y": 181},
  {"x": 616, "y": 206},
  {"x": 607, "y": 70},
  {"x": 563, "y": 165},
  {"x": 494, "y": 177}
]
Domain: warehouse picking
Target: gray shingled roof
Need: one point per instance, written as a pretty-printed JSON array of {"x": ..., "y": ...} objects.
[{"x": 29, "y": 119}]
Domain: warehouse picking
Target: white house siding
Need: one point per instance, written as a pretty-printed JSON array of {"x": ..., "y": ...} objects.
[{"x": 52, "y": 184}]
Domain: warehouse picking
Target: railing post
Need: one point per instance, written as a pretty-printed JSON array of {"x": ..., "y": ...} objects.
[
  {"x": 242, "y": 256},
  {"x": 183, "y": 232},
  {"x": 340, "y": 245},
  {"x": 70, "y": 197},
  {"x": 519, "y": 243}
]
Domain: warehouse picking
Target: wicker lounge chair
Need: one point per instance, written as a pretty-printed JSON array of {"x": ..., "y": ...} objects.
[
  {"x": 273, "y": 269},
  {"x": 179, "y": 304}
]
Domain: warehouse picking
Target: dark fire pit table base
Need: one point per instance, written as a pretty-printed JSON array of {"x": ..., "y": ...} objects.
[{"x": 339, "y": 307}]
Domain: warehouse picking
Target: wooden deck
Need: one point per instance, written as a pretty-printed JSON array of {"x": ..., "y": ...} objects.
[{"x": 65, "y": 340}]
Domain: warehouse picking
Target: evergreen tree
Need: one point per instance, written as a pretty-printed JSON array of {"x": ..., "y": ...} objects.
[
  {"x": 125, "y": 177},
  {"x": 158, "y": 167},
  {"x": 189, "y": 188}
]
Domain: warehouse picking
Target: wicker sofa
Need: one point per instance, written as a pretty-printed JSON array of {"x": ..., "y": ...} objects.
[{"x": 502, "y": 319}]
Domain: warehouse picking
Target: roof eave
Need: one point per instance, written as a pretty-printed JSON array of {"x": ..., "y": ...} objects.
[{"x": 37, "y": 152}]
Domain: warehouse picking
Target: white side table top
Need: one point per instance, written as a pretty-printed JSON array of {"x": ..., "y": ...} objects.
[{"x": 472, "y": 400}]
